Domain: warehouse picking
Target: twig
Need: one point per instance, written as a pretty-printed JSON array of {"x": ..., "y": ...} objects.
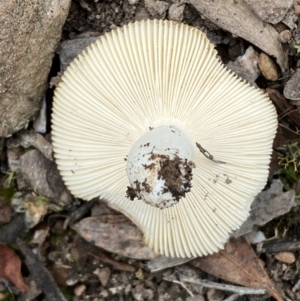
[
  {"x": 240, "y": 290},
  {"x": 116, "y": 264},
  {"x": 276, "y": 247},
  {"x": 207, "y": 154},
  {"x": 181, "y": 284},
  {"x": 80, "y": 212},
  {"x": 283, "y": 114},
  {"x": 288, "y": 129}
]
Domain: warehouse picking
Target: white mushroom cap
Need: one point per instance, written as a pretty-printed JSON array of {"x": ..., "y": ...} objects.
[{"x": 154, "y": 74}]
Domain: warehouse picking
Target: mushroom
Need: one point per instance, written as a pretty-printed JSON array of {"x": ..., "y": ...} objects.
[{"x": 150, "y": 120}]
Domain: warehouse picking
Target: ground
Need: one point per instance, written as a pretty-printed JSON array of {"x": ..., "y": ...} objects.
[{"x": 44, "y": 213}]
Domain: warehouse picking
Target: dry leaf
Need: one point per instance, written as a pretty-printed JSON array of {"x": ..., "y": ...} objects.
[
  {"x": 162, "y": 262},
  {"x": 238, "y": 18},
  {"x": 292, "y": 87},
  {"x": 268, "y": 205},
  {"x": 10, "y": 267},
  {"x": 238, "y": 264},
  {"x": 271, "y": 11},
  {"x": 116, "y": 234}
]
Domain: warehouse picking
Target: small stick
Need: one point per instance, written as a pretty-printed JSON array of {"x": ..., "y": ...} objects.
[
  {"x": 276, "y": 247},
  {"x": 207, "y": 154},
  {"x": 181, "y": 284},
  {"x": 116, "y": 264},
  {"x": 240, "y": 290}
]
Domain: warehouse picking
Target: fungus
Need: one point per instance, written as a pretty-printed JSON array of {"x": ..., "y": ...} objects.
[{"x": 150, "y": 120}]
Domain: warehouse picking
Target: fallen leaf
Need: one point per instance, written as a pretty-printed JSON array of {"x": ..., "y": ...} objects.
[
  {"x": 116, "y": 234},
  {"x": 162, "y": 262},
  {"x": 266, "y": 206},
  {"x": 292, "y": 87},
  {"x": 271, "y": 11},
  {"x": 232, "y": 15},
  {"x": 10, "y": 267},
  {"x": 238, "y": 264}
]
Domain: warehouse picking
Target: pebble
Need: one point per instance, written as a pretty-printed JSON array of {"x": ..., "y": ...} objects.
[
  {"x": 258, "y": 237},
  {"x": 284, "y": 267},
  {"x": 246, "y": 65},
  {"x": 268, "y": 67},
  {"x": 139, "y": 274},
  {"x": 105, "y": 293},
  {"x": 103, "y": 275},
  {"x": 285, "y": 257},
  {"x": 176, "y": 11},
  {"x": 215, "y": 295},
  {"x": 79, "y": 290}
]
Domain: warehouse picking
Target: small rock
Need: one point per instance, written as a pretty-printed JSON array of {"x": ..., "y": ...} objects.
[
  {"x": 40, "y": 121},
  {"x": 147, "y": 294},
  {"x": 30, "y": 31},
  {"x": 62, "y": 275},
  {"x": 69, "y": 49},
  {"x": 246, "y": 66},
  {"x": 44, "y": 177},
  {"x": 127, "y": 289},
  {"x": 270, "y": 11},
  {"x": 113, "y": 290},
  {"x": 36, "y": 208},
  {"x": 268, "y": 67},
  {"x": 258, "y": 237},
  {"x": 284, "y": 267},
  {"x": 141, "y": 13},
  {"x": 105, "y": 293},
  {"x": 286, "y": 257},
  {"x": 290, "y": 18},
  {"x": 79, "y": 290},
  {"x": 103, "y": 275},
  {"x": 138, "y": 292},
  {"x": 215, "y": 295},
  {"x": 139, "y": 274},
  {"x": 16, "y": 228},
  {"x": 292, "y": 88},
  {"x": 27, "y": 138},
  {"x": 176, "y": 11},
  {"x": 157, "y": 8}
]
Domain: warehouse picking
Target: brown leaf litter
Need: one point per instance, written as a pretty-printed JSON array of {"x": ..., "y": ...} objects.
[{"x": 238, "y": 264}]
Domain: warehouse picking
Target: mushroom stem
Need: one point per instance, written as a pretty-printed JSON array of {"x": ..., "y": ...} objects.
[{"x": 159, "y": 166}]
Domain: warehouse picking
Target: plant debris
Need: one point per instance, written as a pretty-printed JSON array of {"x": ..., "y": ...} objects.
[
  {"x": 268, "y": 205},
  {"x": 10, "y": 267},
  {"x": 239, "y": 264},
  {"x": 114, "y": 233}
]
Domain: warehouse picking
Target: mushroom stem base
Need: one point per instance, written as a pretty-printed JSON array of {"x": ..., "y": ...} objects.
[{"x": 159, "y": 166}]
